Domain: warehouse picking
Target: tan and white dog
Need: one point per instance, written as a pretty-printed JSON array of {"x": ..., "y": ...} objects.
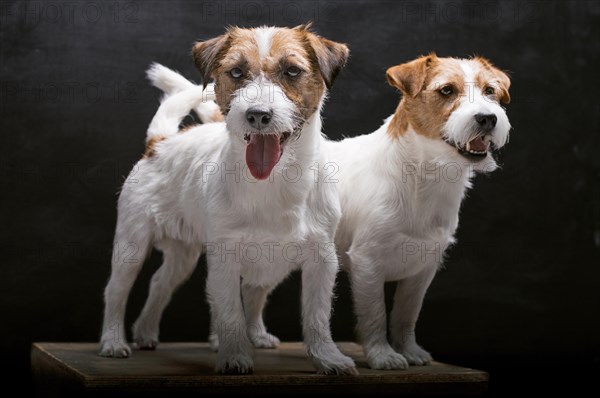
[
  {"x": 226, "y": 188},
  {"x": 401, "y": 188}
]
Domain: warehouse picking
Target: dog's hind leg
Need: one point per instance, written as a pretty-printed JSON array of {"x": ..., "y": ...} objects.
[
  {"x": 407, "y": 305},
  {"x": 132, "y": 242},
  {"x": 254, "y": 300},
  {"x": 179, "y": 261}
]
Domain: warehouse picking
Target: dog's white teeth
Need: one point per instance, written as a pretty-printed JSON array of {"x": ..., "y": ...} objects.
[{"x": 474, "y": 152}]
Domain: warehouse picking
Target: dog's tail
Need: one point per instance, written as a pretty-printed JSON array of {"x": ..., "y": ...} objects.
[
  {"x": 172, "y": 111},
  {"x": 171, "y": 82}
]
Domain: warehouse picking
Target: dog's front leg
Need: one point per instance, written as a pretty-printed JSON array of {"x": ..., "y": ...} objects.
[
  {"x": 318, "y": 279},
  {"x": 369, "y": 305},
  {"x": 223, "y": 289},
  {"x": 255, "y": 299},
  {"x": 407, "y": 305}
]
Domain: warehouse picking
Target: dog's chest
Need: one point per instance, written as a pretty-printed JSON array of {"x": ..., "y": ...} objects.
[{"x": 421, "y": 229}]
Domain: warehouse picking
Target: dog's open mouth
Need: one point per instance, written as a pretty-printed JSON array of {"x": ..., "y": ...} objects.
[
  {"x": 263, "y": 152},
  {"x": 477, "y": 147}
]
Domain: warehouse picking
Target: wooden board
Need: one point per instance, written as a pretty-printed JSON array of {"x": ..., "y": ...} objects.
[{"x": 188, "y": 368}]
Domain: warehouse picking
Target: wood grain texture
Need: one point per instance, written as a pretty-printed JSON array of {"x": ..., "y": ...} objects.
[{"x": 189, "y": 367}]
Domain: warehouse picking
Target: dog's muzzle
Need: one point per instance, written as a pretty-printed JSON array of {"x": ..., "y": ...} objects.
[
  {"x": 481, "y": 144},
  {"x": 477, "y": 147}
]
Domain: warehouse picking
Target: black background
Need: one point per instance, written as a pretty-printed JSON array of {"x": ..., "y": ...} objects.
[{"x": 519, "y": 295}]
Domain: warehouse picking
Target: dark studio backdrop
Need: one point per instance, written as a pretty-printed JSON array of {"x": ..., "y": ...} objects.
[{"x": 519, "y": 294}]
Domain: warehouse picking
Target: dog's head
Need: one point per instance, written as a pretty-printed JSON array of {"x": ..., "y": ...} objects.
[
  {"x": 268, "y": 83},
  {"x": 455, "y": 100}
]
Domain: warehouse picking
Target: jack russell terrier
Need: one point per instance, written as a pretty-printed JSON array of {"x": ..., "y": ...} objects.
[
  {"x": 401, "y": 188},
  {"x": 239, "y": 190}
]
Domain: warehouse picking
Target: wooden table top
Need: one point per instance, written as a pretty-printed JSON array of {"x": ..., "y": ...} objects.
[{"x": 190, "y": 366}]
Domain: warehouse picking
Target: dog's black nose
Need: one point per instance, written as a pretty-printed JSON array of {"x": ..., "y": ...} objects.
[
  {"x": 486, "y": 121},
  {"x": 258, "y": 117}
]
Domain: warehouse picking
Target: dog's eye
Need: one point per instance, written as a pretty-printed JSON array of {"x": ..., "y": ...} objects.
[
  {"x": 293, "y": 71},
  {"x": 447, "y": 90},
  {"x": 489, "y": 90},
  {"x": 236, "y": 73}
]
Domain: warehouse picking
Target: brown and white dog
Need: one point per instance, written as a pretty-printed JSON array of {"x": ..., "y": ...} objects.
[
  {"x": 243, "y": 190},
  {"x": 401, "y": 188}
]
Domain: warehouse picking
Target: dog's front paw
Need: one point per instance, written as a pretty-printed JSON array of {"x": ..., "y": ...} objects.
[
  {"x": 146, "y": 343},
  {"x": 235, "y": 364},
  {"x": 328, "y": 359},
  {"x": 387, "y": 360},
  {"x": 144, "y": 339},
  {"x": 114, "y": 349},
  {"x": 415, "y": 354},
  {"x": 341, "y": 366},
  {"x": 265, "y": 340}
]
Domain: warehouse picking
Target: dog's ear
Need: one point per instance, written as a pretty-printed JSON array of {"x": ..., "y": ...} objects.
[
  {"x": 504, "y": 85},
  {"x": 410, "y": 77},
  {"x": 331, "y": 56},
  {"x": 207, "y": 55},
  {"x": 501, "y": 78}
]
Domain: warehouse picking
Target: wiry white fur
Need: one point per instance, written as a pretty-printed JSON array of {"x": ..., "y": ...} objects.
[
  {"x": 461, "y": 125},
  {"x": 263, "y": 94},
  {"x": 194, "y": 194}
]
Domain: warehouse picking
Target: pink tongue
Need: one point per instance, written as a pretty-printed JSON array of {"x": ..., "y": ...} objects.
[
  {"x": 262, "y": 154},
  {"x": 477, "y": 145}
]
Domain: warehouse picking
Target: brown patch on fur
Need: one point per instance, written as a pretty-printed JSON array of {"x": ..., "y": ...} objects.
[
  {"x": 152, "y": 141},
  {"x": 399, "y": 122},
  {"x": 489, "y": 75},
  {"x": 319, "y": 59},
  {"x": 151, "y": 144},
  {"x": 294, "y": 48},
  {"x": 423, "y": 107},
  {"x": 217, "y": 116}
]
